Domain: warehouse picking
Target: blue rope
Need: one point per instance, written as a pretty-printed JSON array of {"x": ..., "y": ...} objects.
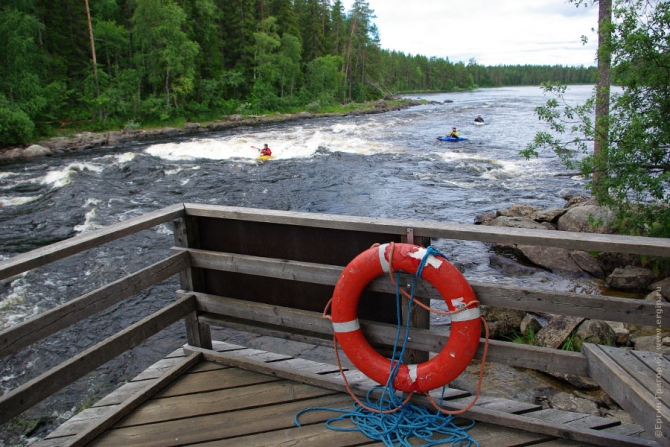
[
  {"x": 429, "y": 251},
  {"x": 410, "y": 421}
]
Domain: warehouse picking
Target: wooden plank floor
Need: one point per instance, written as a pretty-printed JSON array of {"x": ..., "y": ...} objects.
[
  {"x": 217, "y": 405},
  {"x": 639, "y": 381}
]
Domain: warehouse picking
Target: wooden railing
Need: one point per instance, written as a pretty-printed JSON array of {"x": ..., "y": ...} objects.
[{"x": 273, "y": 272}]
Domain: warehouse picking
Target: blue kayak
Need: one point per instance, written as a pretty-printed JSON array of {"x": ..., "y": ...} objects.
[{"x": 451, "y": 139}]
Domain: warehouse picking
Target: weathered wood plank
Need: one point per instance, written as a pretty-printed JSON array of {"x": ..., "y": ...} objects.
[
  {"x": 186, "y": 235},
  {"x": 446, "y": 230},
  {"x": 520, "y": 422},
  {"x": 311, "y": 435},
  {"x": 641, "y": 372},
  {"x": 220, "y": 426},
  {"x": 514, "y": 354},
  {"x": 59, "y": 250},
  {"x": 573, "y": 304},
  {"x": 26, "y": 333},
  {"x": 20, "y": 399},
  {"x": 216, "y": 380},
  {"x": 627, "y": 392},
  {"x": 659, "y": 364},
  {"x": 219, "y": 401},
  {"x": 84, "y": 437}
]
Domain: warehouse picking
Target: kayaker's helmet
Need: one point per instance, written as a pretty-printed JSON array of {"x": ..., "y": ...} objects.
[
  {"x": 265, "y": 145},
  {"x": 453, "y": 128}
]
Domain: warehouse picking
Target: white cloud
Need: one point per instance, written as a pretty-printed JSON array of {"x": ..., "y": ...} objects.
[{"x": 510, "y": 32}]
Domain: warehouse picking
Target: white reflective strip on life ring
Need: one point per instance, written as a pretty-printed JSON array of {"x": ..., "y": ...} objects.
[
  {"x": 466, "y": 315},
  {"x": 432, "y": 260},
  {"x": 347, "y": 326},
  {"x": 382, "y": 258},
  {"x": 413, "y": 372}
]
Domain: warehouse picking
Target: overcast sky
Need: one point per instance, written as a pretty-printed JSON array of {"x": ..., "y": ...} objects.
[{"x": 494, "y": 32}]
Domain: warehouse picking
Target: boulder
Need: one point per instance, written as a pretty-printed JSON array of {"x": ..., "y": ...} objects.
[
  {"x": 621, "y": 333},
  {"x": 516, "y": 222},
  {"x": 548, "y": 215},
  {"x": 651, "y": 343},
  {"x": 484, "y": 219},
  {"x": 12, "y": 153},
  {"x": 530, "y": 323},
  {"x": 191, "y": 126},
  {"x": 568, "y": 402},
  {"x": 235, "y": 118},
  {"x": 553, "y": 259},
  {"x": 663, "y": 287},
  {"x": 588, "y": 263},
  {"x": 305, "y": 115},
  {"x": 509, "y": 267},
  {"x": 559, "y": 328},
  {"x": 587, "y": 219},
  {"x": 594, "y": 331},
  {"x": 36, "y": 150},
  {"x": 655, "y": 296},
  {"x": 518, "y": 210},
  {"x": 575, "y": 200},
  {"x": 630, "y": 279},
  {"x": 501, "y": 321}
]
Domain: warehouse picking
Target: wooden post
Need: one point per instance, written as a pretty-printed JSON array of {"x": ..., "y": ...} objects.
[
  {"x": 420, "y": 317},
  {"x": 186, "y": 235}
]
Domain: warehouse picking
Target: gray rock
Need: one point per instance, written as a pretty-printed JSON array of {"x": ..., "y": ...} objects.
[
  {"x": 501, "y": 321},
  {"x": 516, "y": 222},
  {"x": 554, "y": 259},
  {"x": 518, "y": 210},
  {"x": 12, "y": 153},
  {"x": 530, "y": 323},
  {"x": 568, "y": 402},
  {"x": 191, "y": 126},
  {"x": 654, "y": 296},
  {"x": 548, "y": 215},
  {"x": 305, "y": 115},
  {"x": 663, "y": 287},
  {"x": 630, "y": 279},
  {"x": 509, "y": 267},
  {"x": 588, "y": 263},
  {"x": 170, "y": 131},
  {"x": 557, "y": 331},
  {"x": 587, "y": 219},
  {"x": 575, "y": 200},
  {"x": 235, "y": 118},
  {"x": 621, "y": 333},
  {"x": 484, "y": 219},
  {"x": 549, "y": 226},
  {"x": 650, "y": 343},
  {"x": 35, "y": 150},
  {"x": 594, "y": 331}
]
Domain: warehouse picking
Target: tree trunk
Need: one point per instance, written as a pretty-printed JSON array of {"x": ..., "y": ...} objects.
[{"x": 602, "y": 92}]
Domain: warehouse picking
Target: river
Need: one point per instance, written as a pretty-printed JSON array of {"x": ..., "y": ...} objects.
[{"x": 385, "y": 165}]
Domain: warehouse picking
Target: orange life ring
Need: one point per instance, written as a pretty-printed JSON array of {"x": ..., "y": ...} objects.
[{"x": 454, "y": 288}]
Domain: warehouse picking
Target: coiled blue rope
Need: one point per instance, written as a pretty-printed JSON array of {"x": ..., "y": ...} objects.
[{"x": 409, "y": 421}]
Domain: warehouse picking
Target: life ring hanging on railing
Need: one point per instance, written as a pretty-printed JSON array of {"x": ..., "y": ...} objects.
[{"x": 449, "y": 282}]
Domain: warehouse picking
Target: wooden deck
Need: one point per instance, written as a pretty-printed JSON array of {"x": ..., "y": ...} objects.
[
  {"x": 639, "y": 381},
  {"x": 185, "y": 400}
]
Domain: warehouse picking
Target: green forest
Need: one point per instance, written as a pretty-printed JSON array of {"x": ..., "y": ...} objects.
[{"x": 108, "y": 64}]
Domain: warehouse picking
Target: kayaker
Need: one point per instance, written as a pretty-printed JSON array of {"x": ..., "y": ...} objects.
[
  {"x": 479, "y": 119},
  {"x": 454, "y": 133},
  {"x": 266, "y": 151}
]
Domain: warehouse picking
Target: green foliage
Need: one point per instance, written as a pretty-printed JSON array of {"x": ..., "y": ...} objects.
[
  {"x": 16, "y": 127},
  {"x": 165, "y": 60},
  {"x": 633, "y": 170}
]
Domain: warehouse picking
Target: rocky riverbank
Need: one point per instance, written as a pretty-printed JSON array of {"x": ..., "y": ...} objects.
[
  {"x": 619, "y": 273},
  {"x": 88, "y": 140}
]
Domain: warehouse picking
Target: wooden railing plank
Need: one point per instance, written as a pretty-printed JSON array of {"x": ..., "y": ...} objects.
[
  {"x": 24, "y": 334},
  {"x": 20, "y": 399},
  {"x": 129, "y": 405},
  {"x": 50, "y": 253},
  {"x": 447, "y": 230},
  {"x": 525, "y": 356},
  {"x": 599, "y": 307}
]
